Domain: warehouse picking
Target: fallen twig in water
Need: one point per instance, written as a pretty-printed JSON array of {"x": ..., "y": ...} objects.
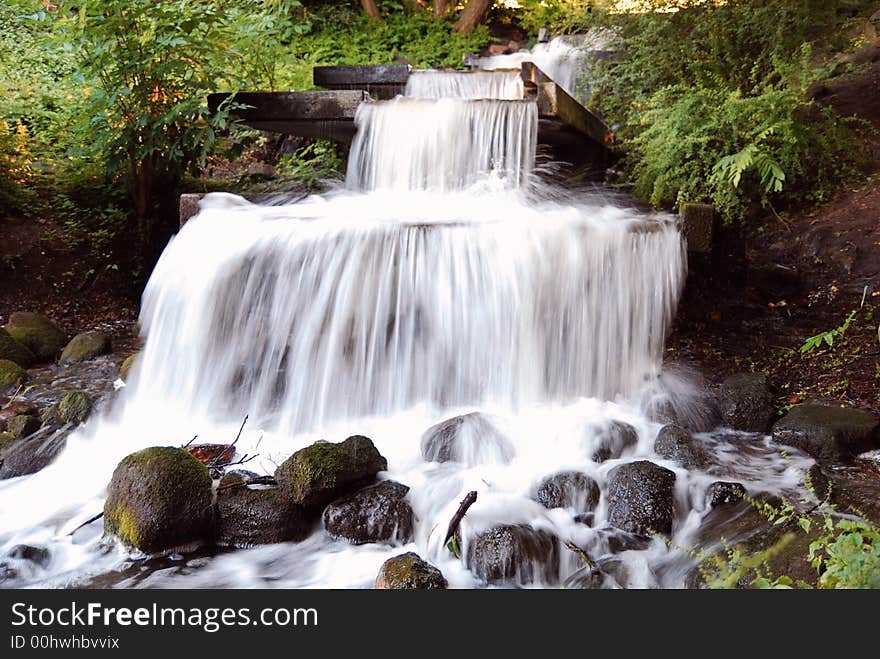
[
  {"x": 466, "y": 503},
  {"x": 257, "y": 480},
  {"x": 87, "y": 522}
]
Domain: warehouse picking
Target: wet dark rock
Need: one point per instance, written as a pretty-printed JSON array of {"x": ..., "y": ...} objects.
[
  {"x": 28, "y": 456},
  {"x": 11, "y": 350},
  {"x": 318, "y": 474},
  {"x": 249, "y": 516},
  {"x": 409, "y": 572},
  {"x": 585, "y": 518},
  {"x": 75, "y": 407},
  {"x": 613, "y": 440},
  {"x": 159, "y": 498},
  {"x": 378, "y": 513},
  {"x": 587, "y": 577},
  {"x": 747, "y": 402},
  {"x": 619, "y": 541},
  {"x": 12, "y": 375},
  {"x": 721, "y": 492},
  {"x": 678, "y": 445},
  {"x": 828, "y": 433},
  {"x": 37, "y": 555},
  {"x": 38, "y": 333},
  {"x": 470, "y": 439},
  {"x": 13, "y": 409},
  {"x": 23, "y": 425},
  {"x": 640, "y": 498},
  {"x": 85, "y": 346},
  {"x": 854, "y": 487},
  {"x": 514, "y": 554},
  {"x": 775, "y": 281},
  {"x": 6, "y": 440},
  {"x": 568, "y": 489}
]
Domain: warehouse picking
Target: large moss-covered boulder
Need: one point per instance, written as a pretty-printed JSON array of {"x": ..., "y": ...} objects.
[
  {"x": 640, "y": 498},
  {"x": 30, "y": 455},
  {"x": 23, "y": 425},
  {"x": 75, "y": 407},
  {"x": 747, "y": 402},
  {"x": 827, "y": 432},
  {"x": 568, "y": 489},
  {"x": 13, "y": 351},
  {"x": 378, "y": 513},
  {"x": 12, "y": 375},
  {"x": 409, "y": 572},
  {"x": 85, "y": 346},
  {"x": 249, "y": 516},
  {"x": 470, "y": 439},
  {"x": 38, "y": 333},
  {"x": 316, "y": 475},
  {"x": 159, "y": 498},
  {"x": 514, "y": 554},
  {"x": 677, "y": 444}
]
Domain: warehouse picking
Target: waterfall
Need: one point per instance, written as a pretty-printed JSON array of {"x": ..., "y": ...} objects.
[
  {"x": 441, "y": 280},
  {"x": 503, "y": 85}
]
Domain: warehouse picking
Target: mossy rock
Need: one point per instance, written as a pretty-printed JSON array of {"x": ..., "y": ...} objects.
[
  {"x": 23, "y": 425},
  {"x": 13, "y": 351},
  {"x": 11, "y": 375},
  {"x": 85, "y": 346},
  {"x": 316, "y": 475},
  {"x": 75, "y": 407},
  {"x": 38, "y": 333},
  {"x": 409, "y": 572},
  {"x": 159, "y": 498},
  {"x": 378, "y": 513},
  {"x": 6, "y": 440},
  {"x": 125, "y": 368}
]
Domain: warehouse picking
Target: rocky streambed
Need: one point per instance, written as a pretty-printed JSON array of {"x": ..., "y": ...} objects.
[{"x": 646, "y": 498}]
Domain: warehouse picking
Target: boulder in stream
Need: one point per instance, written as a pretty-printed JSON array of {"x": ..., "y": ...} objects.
[
  {"x": 568, "y": 489},
  {"x": 159, "y": 498},
  {"x": 13, "y": 351},
  {"x": 409, "y": 572},
  {"x": 127, "y": 365},
  {"x": 23, "y": 425},
  {"x": 747, "y": 402},
  {"x": 316, "y": 475},
  {"x": 30, "y": 455},
  {"x": 378, "y": 513},
  {"x": 470, "y": 439},
  {"x": 75, "y": 407},
  {"x": 640, "y": 498},
  {"x": 12, "y": 375},
  {"x": 85, "y": 346},
  {"x": 514, "y": 554},
  {"x": 613, "y": 440},
  {"x": 720, "y": 493},
  {"x": 258, "y": 515},
  {"x": 677, "y": 444},
  {"x": 828, "y": 432},
  {"x": 38, "y": 333}
]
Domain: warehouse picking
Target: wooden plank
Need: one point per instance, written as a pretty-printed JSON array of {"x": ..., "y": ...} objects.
[{"x": 341, "y": 77}]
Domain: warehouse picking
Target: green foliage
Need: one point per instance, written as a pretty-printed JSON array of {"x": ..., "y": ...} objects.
[
  {"x": 829, "y": 336},
  {"x": 845, "y": 552},
  {"x": 317, "y": 161},
  {"x": 713, "y": 106},
  {"x": 558, "y": 16},
  {"x": 341, "y": 34}
]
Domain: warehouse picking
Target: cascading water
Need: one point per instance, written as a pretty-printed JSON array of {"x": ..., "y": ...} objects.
[
  {"x": 503, "y": 85},
  {"x": 445, "y": 280}
]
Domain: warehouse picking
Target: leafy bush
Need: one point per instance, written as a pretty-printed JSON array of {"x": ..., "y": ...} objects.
[{"x": 712, "y": 102}]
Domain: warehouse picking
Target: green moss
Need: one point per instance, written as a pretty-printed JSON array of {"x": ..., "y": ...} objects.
[
  {"x": 23, "y": 425},
  {"x": 75, "y": 407},
  {"x": 85, "y": 346},
  {"x": 121, "y": 522},
  {"x": 6, "y": 439},
  {"x": 11, "y": 374},
  {"x": 12, "y": 350},
  {"x": 125, "y": 368}
]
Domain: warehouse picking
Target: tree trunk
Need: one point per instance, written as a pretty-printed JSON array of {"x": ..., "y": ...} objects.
[
  {"x": 370, "y": 8},
  {"x": 441, "y": 8},
  {"x": 472, "y": 15}
]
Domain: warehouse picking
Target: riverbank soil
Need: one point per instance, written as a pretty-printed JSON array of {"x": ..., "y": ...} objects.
[{"x": 757, "y": 300}]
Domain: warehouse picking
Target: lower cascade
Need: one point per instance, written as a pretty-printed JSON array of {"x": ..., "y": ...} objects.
[{"x": 488, "y": 332}]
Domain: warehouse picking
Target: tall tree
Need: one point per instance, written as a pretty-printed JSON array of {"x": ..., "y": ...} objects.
[
  {"x": 472, "y": 15},
  {"x": 370, "y": 8},
  {"x": 441, "y": 8}
]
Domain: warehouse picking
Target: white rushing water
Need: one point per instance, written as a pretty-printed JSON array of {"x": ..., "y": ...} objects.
[
  {"x": 505, "y": 85},
  {"x": 444, "y": 280}
]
